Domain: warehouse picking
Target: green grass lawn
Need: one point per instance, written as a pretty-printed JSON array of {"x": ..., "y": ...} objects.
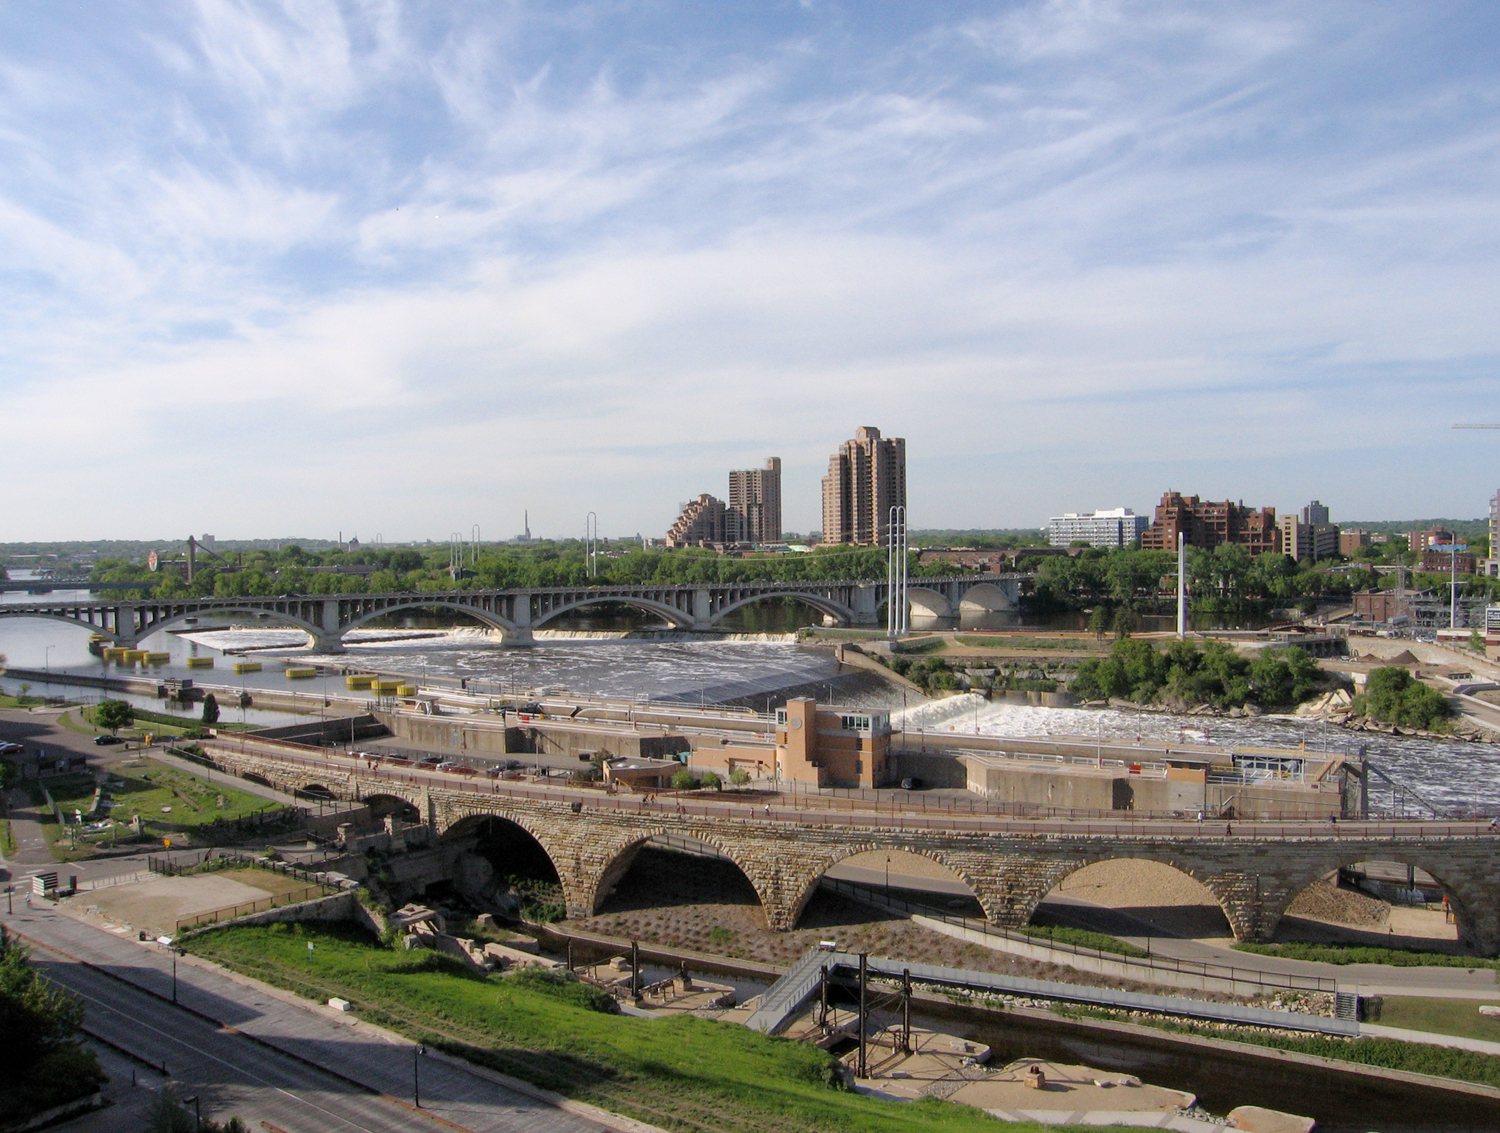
[
  {"x": 680, "y": 1073},
  {"x": 172, "y": 804},
  {"x": 1083, "y": 938},
  {"x": 1459, "y": 1017},
  {"x": 1048, "y": 644},
  {"x": 1367, "y": 954}
]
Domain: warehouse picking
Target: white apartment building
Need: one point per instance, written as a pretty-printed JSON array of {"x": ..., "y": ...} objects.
[{"x": 1118, "y": 527}]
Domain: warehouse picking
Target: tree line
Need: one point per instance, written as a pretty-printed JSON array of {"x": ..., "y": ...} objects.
[
  {"x": 294, "y": 570},
  {"x": 1187, "y": 674}
]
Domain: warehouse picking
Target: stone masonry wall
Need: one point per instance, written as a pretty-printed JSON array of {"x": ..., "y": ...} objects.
[{"x": 1253, "y": 878}]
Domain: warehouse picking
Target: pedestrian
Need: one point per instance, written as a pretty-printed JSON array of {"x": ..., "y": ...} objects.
[
  {"x": 768, "y": 810},
  {"x": 1494, "y": 824},
  {"x": 1228, "y": 830},
  {"x": 1200, "y": 817}
]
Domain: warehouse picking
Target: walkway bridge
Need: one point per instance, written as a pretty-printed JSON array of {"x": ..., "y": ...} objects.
[
  {"x": 517, "y": 613},
  {"x": 591, "y": 838}
]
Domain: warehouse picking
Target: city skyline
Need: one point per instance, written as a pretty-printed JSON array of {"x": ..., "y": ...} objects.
[{"x": 399, "y": 270}]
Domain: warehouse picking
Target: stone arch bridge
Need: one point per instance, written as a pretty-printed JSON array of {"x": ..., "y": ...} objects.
[
  {"x": 592, "y": 839},
  {"x": 517, "y": 613}
]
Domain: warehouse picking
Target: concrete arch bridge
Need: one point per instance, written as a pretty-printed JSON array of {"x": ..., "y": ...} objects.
[
  {"x": 517, "y": 613},
  {"x": 592, "y": 839}
]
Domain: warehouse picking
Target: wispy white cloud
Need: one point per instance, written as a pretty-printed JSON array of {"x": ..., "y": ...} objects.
[{"x": 600, "y": 255}]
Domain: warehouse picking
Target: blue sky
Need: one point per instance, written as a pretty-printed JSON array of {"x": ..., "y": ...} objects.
[{"x": 396, "y": 270}]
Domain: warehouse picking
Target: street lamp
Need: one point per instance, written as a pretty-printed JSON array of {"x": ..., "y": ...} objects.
[
  {"x": 47, "y": 659},
  {"x": 416, "y": 1070},
  {"x": 175, "y": 953}
]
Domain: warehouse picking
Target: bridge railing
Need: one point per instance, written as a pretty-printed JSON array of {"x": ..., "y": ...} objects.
[{"x": 834, "y": 808}]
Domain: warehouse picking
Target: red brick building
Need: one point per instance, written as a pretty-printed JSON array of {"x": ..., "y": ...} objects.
[{"x": 1207, "y": 523}]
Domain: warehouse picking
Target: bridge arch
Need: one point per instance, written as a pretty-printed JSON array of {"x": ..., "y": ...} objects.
[
  {"x": 506, "y": 628},
  {"x": 1466, "y": 902},
  {"x": 670, "y": 614},
  {"x": 836, "y": 610},
  {"x": 536, "y": 849},
  {"x": 986, "y": 597},
  {"x": 931, "y": 603},
  {"x": 1238, "y": 915},
  {"x": 58, "y": 616},
  {"x": 809, "y": 885},
  {"x": 158, "y": 625},
  {"x": 620, "y": 854},
  {"x": 383, "y": 803}
]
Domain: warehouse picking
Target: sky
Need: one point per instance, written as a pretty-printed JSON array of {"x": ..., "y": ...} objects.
[{"x": 407, "y": 270}]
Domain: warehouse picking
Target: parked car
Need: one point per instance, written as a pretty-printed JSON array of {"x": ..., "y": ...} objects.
[
  {"x": 105, "y": 741},
  {"x": 8, "y": 748}
]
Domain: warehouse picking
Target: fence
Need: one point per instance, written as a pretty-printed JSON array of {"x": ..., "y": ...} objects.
[
  {"x": 834, "y": 806},
  {"x": 1222, "y": 972},
  {"x": 230, "y": 912},
  {"x": 171, "y": 865}
]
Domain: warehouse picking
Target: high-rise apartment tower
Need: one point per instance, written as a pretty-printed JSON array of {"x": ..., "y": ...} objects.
[
  {"x": 866, "y": 478},
  {"x": 755, "y": 501}
]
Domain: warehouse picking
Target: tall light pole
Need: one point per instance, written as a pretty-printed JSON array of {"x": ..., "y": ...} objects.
[
  {"x": 47, "y": 659},
  {"x": 1453, "y": 549},
  {"x": 416, "y": 1074},
  {"x": 896, "y": 573},
  {"x": 591, "y": 544}
]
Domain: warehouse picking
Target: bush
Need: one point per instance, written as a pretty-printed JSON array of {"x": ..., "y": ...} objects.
[
  {"x": 711, "y": 781},
  {"x": 1394, "y": 696},
  {"x": 565, "y": 988},
  {"x": 684, "y": 780}
]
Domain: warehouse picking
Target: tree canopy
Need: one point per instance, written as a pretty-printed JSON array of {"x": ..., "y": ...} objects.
[
  {"x": 1188, "y": 674},
  {"x": 1396, "y": 697},
  {"x": 43, "y": 1065},
  {"x": 114, "y": 715}
]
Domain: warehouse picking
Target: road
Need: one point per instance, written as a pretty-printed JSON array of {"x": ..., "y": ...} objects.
[{"x": 249, "y": 1051}]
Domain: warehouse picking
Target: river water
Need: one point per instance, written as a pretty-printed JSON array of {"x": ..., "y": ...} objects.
[{"x": 755, "y": 669}]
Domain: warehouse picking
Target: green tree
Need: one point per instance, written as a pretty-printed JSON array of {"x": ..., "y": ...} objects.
[
  {"x": 684, "y": 780},
  {"x": 43, "y": 1064},
  {"x": 711, "y": 781},
  {"x": 1392, "y": 695},
  {"x": 114, "y": 715},
  {"x": 1099, "y": 622},
  {"x": 739, "y": 777},
  {"x": 210, "y": 709}
]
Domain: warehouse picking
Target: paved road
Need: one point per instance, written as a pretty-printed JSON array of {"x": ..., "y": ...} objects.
[{"x": 246, "y": 1050}]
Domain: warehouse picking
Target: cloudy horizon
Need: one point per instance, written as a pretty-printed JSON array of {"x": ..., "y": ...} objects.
[{"x": 399, "y": 269}]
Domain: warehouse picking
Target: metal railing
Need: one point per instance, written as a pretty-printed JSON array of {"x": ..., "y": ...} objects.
[
  {"x": 1227, "y": 973},
  {"x": 245, "y": 908}
]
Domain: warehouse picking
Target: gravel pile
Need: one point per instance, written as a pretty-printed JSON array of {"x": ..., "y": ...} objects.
[{"x": 1325, "y": 902}]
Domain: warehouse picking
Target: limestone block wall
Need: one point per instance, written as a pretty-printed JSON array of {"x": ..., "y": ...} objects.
[{"x": 1253, "y": 878}]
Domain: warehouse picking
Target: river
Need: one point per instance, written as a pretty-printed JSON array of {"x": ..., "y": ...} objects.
[{"x": 755, "y": 669}]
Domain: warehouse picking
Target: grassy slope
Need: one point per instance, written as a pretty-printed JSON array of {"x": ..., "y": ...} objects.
[
  {"x": 680, "y": 1073},
  {"x": 1441, "y": 1016}
]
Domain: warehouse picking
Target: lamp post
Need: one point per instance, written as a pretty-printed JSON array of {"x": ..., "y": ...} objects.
[
  {"x": 416, "y": 1074},
  {"x": 175, "y": 953},
  {"x": 47, "y": 659}
]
